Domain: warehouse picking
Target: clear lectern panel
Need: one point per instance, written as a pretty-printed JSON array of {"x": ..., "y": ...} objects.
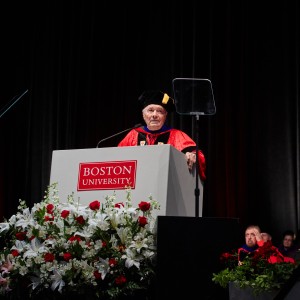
[{"x": 193, "y": 96}]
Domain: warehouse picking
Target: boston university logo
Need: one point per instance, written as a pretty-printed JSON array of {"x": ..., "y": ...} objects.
[{"x": 112, "y": 175}]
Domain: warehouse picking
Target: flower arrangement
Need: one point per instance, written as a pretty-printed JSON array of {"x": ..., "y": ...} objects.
[
  {"x": 263, "y": 270},
  {"x": 106, "y": 250}
]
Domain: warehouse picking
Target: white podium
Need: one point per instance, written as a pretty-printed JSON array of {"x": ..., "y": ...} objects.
[{"x": 159, "y": 170}]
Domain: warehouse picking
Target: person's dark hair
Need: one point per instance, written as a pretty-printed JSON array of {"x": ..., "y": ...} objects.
[{"x": 288, "y": 232}]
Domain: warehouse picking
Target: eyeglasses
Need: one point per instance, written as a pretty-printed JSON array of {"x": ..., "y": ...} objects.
[{"x": 151, "y": 111}]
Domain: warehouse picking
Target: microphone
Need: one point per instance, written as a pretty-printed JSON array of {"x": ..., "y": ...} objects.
[{"x": 128, "y": 129}]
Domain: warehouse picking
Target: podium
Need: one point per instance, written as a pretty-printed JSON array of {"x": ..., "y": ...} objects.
[
  {"x": 188, "y": 253},
  {"x": 159, "y": 171}
]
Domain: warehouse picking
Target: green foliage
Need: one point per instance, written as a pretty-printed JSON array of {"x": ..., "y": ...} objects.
[{"x": 264, "y": 270}]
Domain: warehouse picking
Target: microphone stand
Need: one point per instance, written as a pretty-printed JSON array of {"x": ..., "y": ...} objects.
[
  {"x": 197, "y": 190},
  {"x": 114, "y": 135},
  {"x": 11, "y": 103},
  {"x": 193, "y": 89}
]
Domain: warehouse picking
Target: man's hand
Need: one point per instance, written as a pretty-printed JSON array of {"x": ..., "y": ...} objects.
[
  {"x": 191, "y": 159},
  {"x": 257, "y": 235}
]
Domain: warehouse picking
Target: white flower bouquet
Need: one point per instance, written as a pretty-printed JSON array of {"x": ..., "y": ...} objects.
[{"x": 106, "y": 250}]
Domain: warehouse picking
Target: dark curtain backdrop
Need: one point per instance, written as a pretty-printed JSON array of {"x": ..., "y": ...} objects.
[{"x": 85, "y": 63}]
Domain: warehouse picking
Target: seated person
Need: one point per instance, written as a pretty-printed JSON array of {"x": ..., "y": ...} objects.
[
  {"x": 266, "y": 236},
  {"x": 287, "y": 246},
  {"x": 254, "y": 241}
]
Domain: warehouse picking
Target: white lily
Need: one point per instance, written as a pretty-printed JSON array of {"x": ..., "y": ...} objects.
[
  {"x": 4, "y": 227},
  {"x": 34, "y": 248},
  {"x": 57, "y": 281},
  {"x": 25, "y": 220},
  {"x": 131, "y": 259}
]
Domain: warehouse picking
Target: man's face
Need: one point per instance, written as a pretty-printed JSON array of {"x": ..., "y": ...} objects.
[
  {"x": 154, "y": 116},
  {"x": 250, "y": 238}
]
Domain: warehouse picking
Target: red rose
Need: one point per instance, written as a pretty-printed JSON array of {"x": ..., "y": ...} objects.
[
  {"x": 67, "y": 256},
  {"x": 143, "y": 221},
  {"x": 119, "y": 205},
  {"x": 144, "y": 206},
  {"x": 64, "y": 214},
  {"x": 80, "y": 220},
  {"x": 95, "y": 205},
  {"x": 21, "y": 235},
  {"x": 14, "y": 253},
  {"x": 289, "y": 259},
  {"x": 50, "y": 208},
  {"x": 49, "y": 257},
  {"x": 75, "y": 238},
  {"x": 97, "y": 275},
  {"x": 49, "y": 218},
  {"x": 226, "y": 256},
  {"x": 120, "y": 280},
  {"x": 112, "y": 262}
]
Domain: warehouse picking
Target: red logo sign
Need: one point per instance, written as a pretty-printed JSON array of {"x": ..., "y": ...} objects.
[{"x": 109, "y": 175}]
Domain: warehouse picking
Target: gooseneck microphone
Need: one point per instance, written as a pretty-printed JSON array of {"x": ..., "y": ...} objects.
[{"x": 128, "y": 129}]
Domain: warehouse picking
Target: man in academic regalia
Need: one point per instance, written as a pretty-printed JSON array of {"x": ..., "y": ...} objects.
[{"x": 155, "y": 107}]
